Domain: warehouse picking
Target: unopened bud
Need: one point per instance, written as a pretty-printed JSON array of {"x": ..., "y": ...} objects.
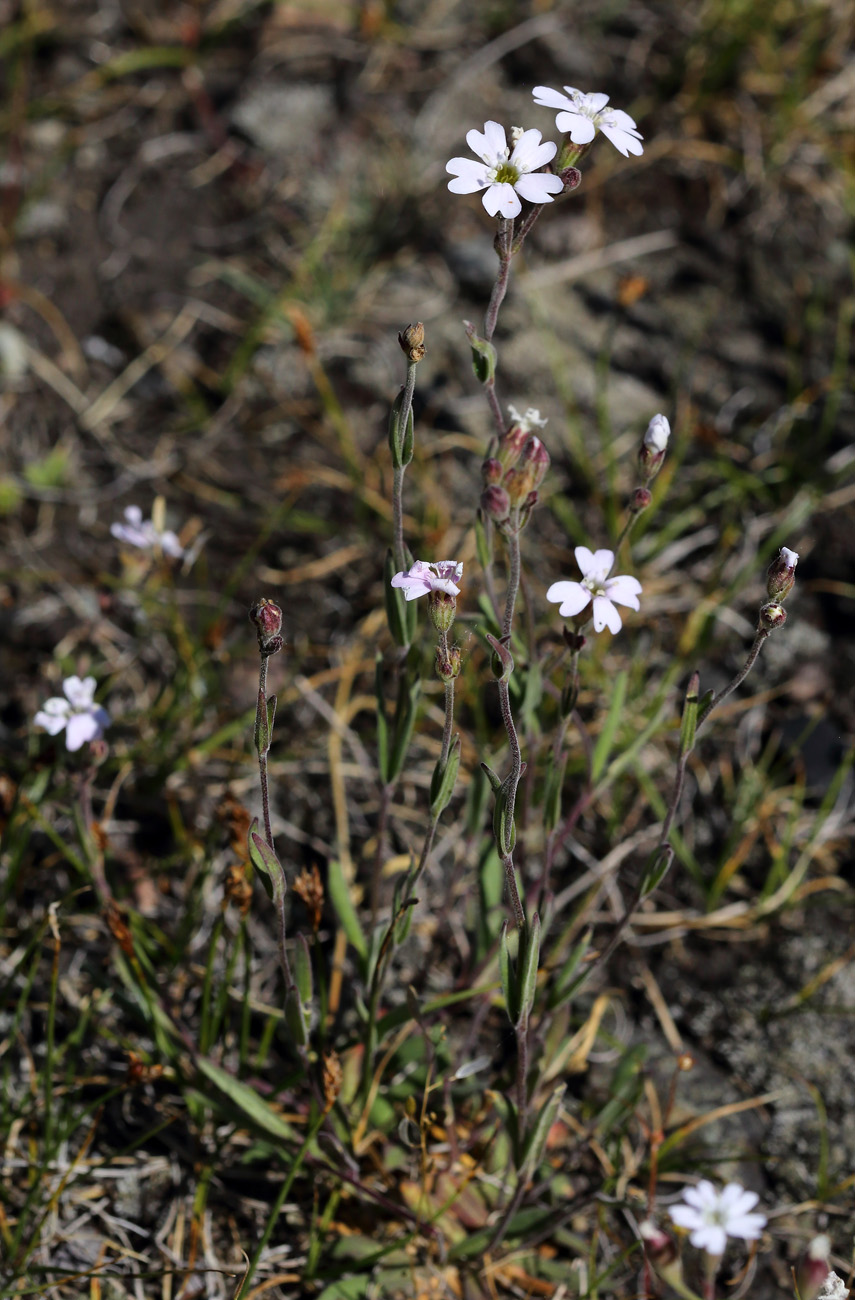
[
  {"x": 662, "y": 1254},
  {"x": 813, "y": 1267},
  {"x": 782, "y": 574},
  {"x": 772, "y": 616},
  {"x": 412, "y": 341},
  {"x": 267, "y": 620},
  {"x": 448, "y": 665},
  {"x": 492, "y": 471},
  {"x": 442, "y": 607},
  {"x": 534, "y": 462},
  {"x": 651, "y": 454},
  {"x": 496, "y": 503},
  {"x": 571, "y": 178},
  {"x": 640, "y": 500},
  {"x": 517, "y": 434}
]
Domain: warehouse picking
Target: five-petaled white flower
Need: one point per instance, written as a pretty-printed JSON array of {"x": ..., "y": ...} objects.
[
  {"x": 581, "y": 115},
  {"x": 78, "y": 714},
  {"x": 712, "y": 1215},
  {"x": 145, "y": 534},
  {"x": 422, "y": 578},
  {"x": 596, "y": 585},
  {"x": 504, "y": 175}
]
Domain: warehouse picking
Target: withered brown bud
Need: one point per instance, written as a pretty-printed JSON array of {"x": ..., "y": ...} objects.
[
  {"x": 309, "y": 887},
  {"x": 412, "y": 341},
  {"x": 640, "y": 500},
  {"x": 331, "y": 1078},
  {"x": 571, "y": 178}
]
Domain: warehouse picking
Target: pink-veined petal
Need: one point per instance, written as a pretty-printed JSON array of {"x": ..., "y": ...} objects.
[
  {"x": 605, "y": 615},
  {"x": 573, "y": 597},
  {"x": 81, "y": 727},
  {"x": 624, "y": 589},
  {"x": 502, "y": 198},
  {"x": 538, "y": 188},
  {"x": 549, "y": 98},
  {"x": 580, "y": 128},
  {"x": 470, "y": 176}
]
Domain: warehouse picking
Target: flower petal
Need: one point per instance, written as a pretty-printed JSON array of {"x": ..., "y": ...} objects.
[
  {"x": 529, "y": 153},
  {"x": 749, "y": 1227},
  {"x": 81, "y": 727},
  {"x": 605, "y": 615},
  {"x": 622, "y": 140},
  {"x": 580, "y": 128},
  {"x": 79, "y": 692},
  {"x": 133, "y": 514},
  {"x": 624, "y": 589},
  {"x": 470, "y": 176},
  {"x": 685, "y": 1216},
  {"x": 550, "y": 98},
  {"x": 502, "y": 198},
  {"x": 538, "y": 188},
  {"x": 490, "y": 145},
  {"x": 573, "y": 597},
  {"x": 50, "y": 718},
  {"x": 704, "y": 1195},
  {"x": 710, "y": 1237}
]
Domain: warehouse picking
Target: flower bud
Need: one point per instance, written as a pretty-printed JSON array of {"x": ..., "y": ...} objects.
[
  {"x": 534, "y": 462},
  {"x": 661, "y": 1251},
  {"x": 448, "y": 665},
  {"x": 571, "y": 178},
  {"x": 496, "y": 503},
  {"x": 813, "y": 1267},
  {"x": 492, "y": 471},
  {"x": 772, "y": 616},
  {"x": 640, "y": 500},
  {"x": 412, "y": 341},
  {"x": 652, "y": 451},
  {"x": 442, "y": 607},
  {"x": 782, "y": 574},
  {"x": 267, "y": 619},
  {"x": 517, "y": 434}
]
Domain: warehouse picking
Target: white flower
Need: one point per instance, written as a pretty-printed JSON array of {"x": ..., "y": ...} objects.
[
  {"x": 658, "y": 433},
  {"x": 422, "y": 578},
  {"x": 833, "y": 1288},
  {"x": 78, "y": 714},
  {"x": 146, "y": 535},
  {"x": 582, "y": 114},
  {"x": 712, "y": 1216},
  {"x": 596, "y": 585},
  {"x": 531, "y": 420},
  {"x": 503, "y": 177},
  {"x": 790, "y": 558}
]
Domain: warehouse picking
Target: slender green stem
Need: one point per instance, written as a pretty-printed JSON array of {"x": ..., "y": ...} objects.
[
  {"x": 737, "y": 681},
  {"x": 398, "y": 550},
  {"x": 261, "y": 721},
  {"x": 281, "y": 1198}
]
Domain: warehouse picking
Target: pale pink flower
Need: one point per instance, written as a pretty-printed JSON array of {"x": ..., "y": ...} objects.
[
  {"x": 143, "y": 533},
  {"x": 505, "y": 175},
  {"x": 422, "y": 578},
  {"x": 596, "y": 586},
  {"x": 77, "y": 714},
  {"x": 582, "y": 115},
  {"x": 711, "y": 1216}
]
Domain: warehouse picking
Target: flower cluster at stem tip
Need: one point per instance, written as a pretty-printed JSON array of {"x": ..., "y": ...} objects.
[
  {"x": 507, "y": 176},
  {"x": 514, "y": 473}
]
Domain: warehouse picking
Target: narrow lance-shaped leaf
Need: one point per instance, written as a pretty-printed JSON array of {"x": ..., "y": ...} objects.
[
  {"x": 393, "y": 597},
  {"x": 382, "y": 722},
  {"x": 405, "y": 717},
  {"x": 536, "y": 1142},
  {"x": 689, "y": 722},
  {"x": 507, "y": 975},
  {"x": 339, "y": 895},
  {"x": 529, "y": 959},
  {"x": 444, "y": 779},
  {"x": 484, "y": 355}
]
